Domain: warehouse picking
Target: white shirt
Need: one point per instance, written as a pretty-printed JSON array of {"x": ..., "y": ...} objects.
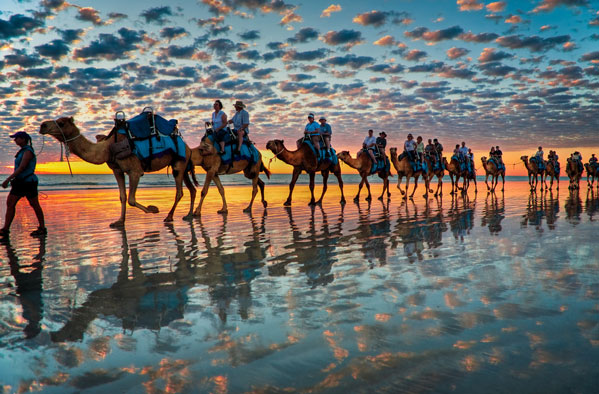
[
  {"x": 410, "y": 145},
  {"x": 240, "y": 118},
  {"x": 464, "y": 151},
  {"x": 217, "y": 119},
  {"x": 369, "y": 141}
]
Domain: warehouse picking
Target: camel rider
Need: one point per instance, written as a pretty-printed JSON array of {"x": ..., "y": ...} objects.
[
  {"x": 219, "y": 122},
  {"x": 326, "y": 132},
  {"x": 410, "y": 148},
  {"x": 429, "y": 151},
  {"x": 471, "y": 158},
  {"x": 539, "y": 158},
  {"x": 499, "y": 155},
  {"x": 593, "y": 161},
  {"x": 312, "y": 131},
  {"x": 438, "y": 149},
  {"x": 381, "y": 144},
  {"x": 463, "y": 153},
  {"x": 492, "y": 152},
  {"x": 576, "y": 156},
  {"x": 369, "y": 145},
  {"x": 240, "y": 121},
  {"x": 420, "y": 149}
]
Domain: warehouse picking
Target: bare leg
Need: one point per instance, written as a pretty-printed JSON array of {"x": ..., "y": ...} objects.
[
  {"x": 35, "y": 204},
  {"x": 11, "y": 203}
]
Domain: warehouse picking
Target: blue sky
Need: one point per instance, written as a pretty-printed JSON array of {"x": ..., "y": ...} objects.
[{"x": 512, "y": 73}]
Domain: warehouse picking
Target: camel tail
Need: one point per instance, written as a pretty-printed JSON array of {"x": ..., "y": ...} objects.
[{"x": 264, "y": 169}]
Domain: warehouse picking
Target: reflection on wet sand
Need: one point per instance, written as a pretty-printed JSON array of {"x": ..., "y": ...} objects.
[
  {"x": 443, "y": 295},
  {"x": 28, "y": 281}
]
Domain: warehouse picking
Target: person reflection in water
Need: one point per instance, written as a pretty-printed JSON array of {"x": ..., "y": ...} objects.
[
  {"x": 493, "y": 213},
  {"x": 28, "y": 280}
]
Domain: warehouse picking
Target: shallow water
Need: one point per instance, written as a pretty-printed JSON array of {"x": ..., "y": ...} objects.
[{"x": 479, "y": 293}]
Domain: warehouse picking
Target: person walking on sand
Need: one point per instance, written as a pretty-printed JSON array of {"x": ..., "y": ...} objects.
[{"x": 23, "y": 183}]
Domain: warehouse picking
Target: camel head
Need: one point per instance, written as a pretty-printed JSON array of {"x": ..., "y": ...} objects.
[
  {"x": 393, "y": 152},
  {"x": 483, "y": 159},
  {"x": 62, "y": 128},
  {"x": 206, "y": 147},
  {"x": 344, "y": 155},
  {"x": 524, "y": 158},
  {"x": 275, "y": 146}
]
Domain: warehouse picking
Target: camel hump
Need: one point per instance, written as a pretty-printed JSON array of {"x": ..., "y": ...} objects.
[{"x": 101, "y": 137}]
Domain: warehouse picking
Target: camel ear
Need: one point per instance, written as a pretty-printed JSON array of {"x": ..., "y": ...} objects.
[
  {"x": 72, "y": 119},
  {"x": 282, "y": 141}
]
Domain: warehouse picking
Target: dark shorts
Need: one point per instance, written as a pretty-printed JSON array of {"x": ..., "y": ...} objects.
[{"x": 23, "y": 189}]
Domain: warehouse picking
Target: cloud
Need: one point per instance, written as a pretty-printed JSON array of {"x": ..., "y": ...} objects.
[
  {"x": 514, "y": 19},
  {"x": 89, "y": 14},
  {"x": 304, "y": 35},
  {"x": 71, "y": 35},
  {"x": 55, "y": 49},
  {"x": 550, "y": 5},
  {"x": 22, "y": 59},
  {"x": 481, "y": 37},
  {"x": 178, "y": 52},
  {"x": 222, "y": 46},
  {"x": 263, "y": 73},
  {"x": 217, "y": 7},
  {"x": 497, "y": 6},
  {"x": 455, "y": 53},
  {"x": 345, "y": 37},
  {"x": 111, "y": 47},
  {"x": 326, "y": 13},
  {"x": 250, "y": 35},
  {"x": 301, "y": 77},
  {"x": 316, "y": 54},
  {"x": 306, "y": 88},
  {"x": 590, "y": 57},
  {"x": 470, "y": 5},
  {"x": 385, "y": 41},
  {"x": 171, "y": 33},
  {"x": 415, "y": 55},
  {"x": 289, "y": 18},
  {"x": 157, "y": 14},
  {"x": 434, "y": 36},
  {"x": 534, "y": 43},
  {"x": 491, "y": 55},
  {"x": 351, "y": 61},
  {"x": 45, "y": 72},
  {"x": 250, "y": 55},
  {"x": 18, "y": 25},
  {"x": 496, "y": 69},
  {"x": 387, "y": 69},
  {"x": 240, "y": 67},
  {"x": 374, "y": 18}
]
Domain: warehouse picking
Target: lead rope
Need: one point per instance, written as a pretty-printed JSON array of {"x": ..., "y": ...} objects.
[
  {"x": 66, "y": 147},
  {"x": 274, "y": 157}
]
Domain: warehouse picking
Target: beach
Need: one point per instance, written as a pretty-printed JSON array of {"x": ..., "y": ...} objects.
[{"x": 466, "y": 294}]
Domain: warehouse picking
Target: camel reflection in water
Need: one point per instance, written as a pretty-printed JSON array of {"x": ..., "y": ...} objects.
[
  {"x": 461, "y": 218},
  {"x": 591, "y": 205},
  {"x": 493, "y": 212},
  {"x": 573, "y": 207},
  {"x": 29, "y": 285},
  {"x": 154, "y": 300},
  {"x": 541, "y": 206},
  {"x": 372, "y": 232},
  {"x": 315, "y": 252}
]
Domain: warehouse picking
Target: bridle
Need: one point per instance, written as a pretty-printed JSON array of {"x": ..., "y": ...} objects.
[
  {"x": 275, "y": 156},
  {"x": 65, "y": 141}
]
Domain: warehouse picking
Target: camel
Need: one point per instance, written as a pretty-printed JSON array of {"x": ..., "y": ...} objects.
[
  {"x": 551, "y": 172},
  {"x": 574, "y": 174},
  {"x": 471, "y": 177},
  {"x": 491, "y": 169},
  {"x": 533, "y": 173},
  {"x": 303, "y": 159},
  {"x": 454, "y": 170},
  {"x": 592, "y": 174},
  {"x": 404, "y": 169},
  {"x": 65, "y": 130},
  {"x": 439, "y": 173},
  {"x": 363, "y": 164},
  {"x": 208, "y": 158}
]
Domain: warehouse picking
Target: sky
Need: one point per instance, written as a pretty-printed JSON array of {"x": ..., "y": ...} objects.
[{"x": 512, "y": 73}]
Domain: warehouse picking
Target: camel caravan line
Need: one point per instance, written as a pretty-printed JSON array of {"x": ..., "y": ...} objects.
[{"x": 150, "y": 143}]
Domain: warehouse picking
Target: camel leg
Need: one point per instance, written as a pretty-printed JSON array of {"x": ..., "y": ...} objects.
[
  {"x": 487, "y": 177},
  {"x": 357, "y": 197},
  {"x": 204, "y": 192},
  {"x": 405, "y": 197},
  {"x": 415, "y": 186},
  {"x": 475, "y": 185},
  {"x": 192, "y": 193},
  {"x": 296, "y": 173},
  {"x": 179, "y": 169},
  {"x": 399, "y": 178},
  {"x": 503, "y": 180},
  {"x": 340, "y": 181},
  {"x": 133, "y": 183},
  {"x": 120, "y": 180},
  {"x": 254, "y": 192},
  {"x": 261, "y": 186},
  {"x": 385, "y": 188},
  {"x": 312, "y": 177},
  {"x": 369, "y": 198},
  {"x": 325, "y": 177},
  {"x": 221, "y": 191}
]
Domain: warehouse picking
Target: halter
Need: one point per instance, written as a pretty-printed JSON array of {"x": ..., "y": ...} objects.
[
  {"x": 66, "y": 147},
  {"x": 275, "y": 156}
]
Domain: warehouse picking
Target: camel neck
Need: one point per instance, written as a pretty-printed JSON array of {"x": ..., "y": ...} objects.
[{"x": 95, "y": 153}]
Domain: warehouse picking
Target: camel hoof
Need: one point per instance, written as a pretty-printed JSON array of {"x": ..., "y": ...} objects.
[
  {"x": 287, "y": 203},
  {"x": 264, "y": 204},
  {"x": 247, "y": 210},
  {"x": 152, "y": 209},
  {"x": 380, "y": 198},
  {"x": 118, "y": 224},
  {"x": 311, "y": 203},
  {"x": 188, "y": 217},
  {"x": 342, "y": 202},
  {"x": 356, "y": 199},
  {"x": 223, "y": 211},
  {"x": 168, "y": 219}
]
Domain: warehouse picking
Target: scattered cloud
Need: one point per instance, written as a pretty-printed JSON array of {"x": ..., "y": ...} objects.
[
  {"x": 326, "y": 13},
  {"x": 470, "y": 5}
]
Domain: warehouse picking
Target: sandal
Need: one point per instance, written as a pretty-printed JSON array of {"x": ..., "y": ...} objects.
[
  {"x": 4, "y": 233},
  {"x": 39, "y": 232}
]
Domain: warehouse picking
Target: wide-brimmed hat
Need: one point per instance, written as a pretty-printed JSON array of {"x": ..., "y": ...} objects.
[
  {"x": 382, "y": 133},
  {"x": 239, "y": 103},
  {"x": 322, "y": 118},
  {"x": 20, "y": 134}
]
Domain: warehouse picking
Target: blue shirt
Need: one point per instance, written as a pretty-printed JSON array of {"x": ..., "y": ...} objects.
[
  {"x": 28, "y": 173},
  {"x": 312, "y": 128},
  {"x": 326, "y": 129},
  {"x": 240, "y": 118}
]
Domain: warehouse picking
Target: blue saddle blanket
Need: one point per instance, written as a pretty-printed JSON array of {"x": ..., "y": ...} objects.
[
  {"x": 140, "y": 126},
  {"x": 415, "y": 164},
  {"x": 158, "y": 146},
  {"x": 247, "y": 152},
  {"x": 500, "y": 166},
  {"x": 465, "y": 165},
  {"x": 324, "y": 156},
  {"x": 381, "y": 166},
  {"x": 540, "y": 163}
]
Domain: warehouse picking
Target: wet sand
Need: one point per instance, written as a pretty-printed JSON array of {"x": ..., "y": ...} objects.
[{"x": 478, "y": 293}]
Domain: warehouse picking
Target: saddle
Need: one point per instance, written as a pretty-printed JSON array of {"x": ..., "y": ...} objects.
[
  {"x": 247, "y": 151},
  {"x": 324, "y": 156}
]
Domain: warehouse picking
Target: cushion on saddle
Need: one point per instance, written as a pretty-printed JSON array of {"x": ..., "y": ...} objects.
[
  {"x": 247, "y": 152},
  {"x": 158, "y": 146},
  {"x": 324, "y": 157},
  {"x": 140, "y": 126},
  {"x": 380, "y": 166},
  {"x": 540, "y": 164},
  {"x": 500, "y": 166}
]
